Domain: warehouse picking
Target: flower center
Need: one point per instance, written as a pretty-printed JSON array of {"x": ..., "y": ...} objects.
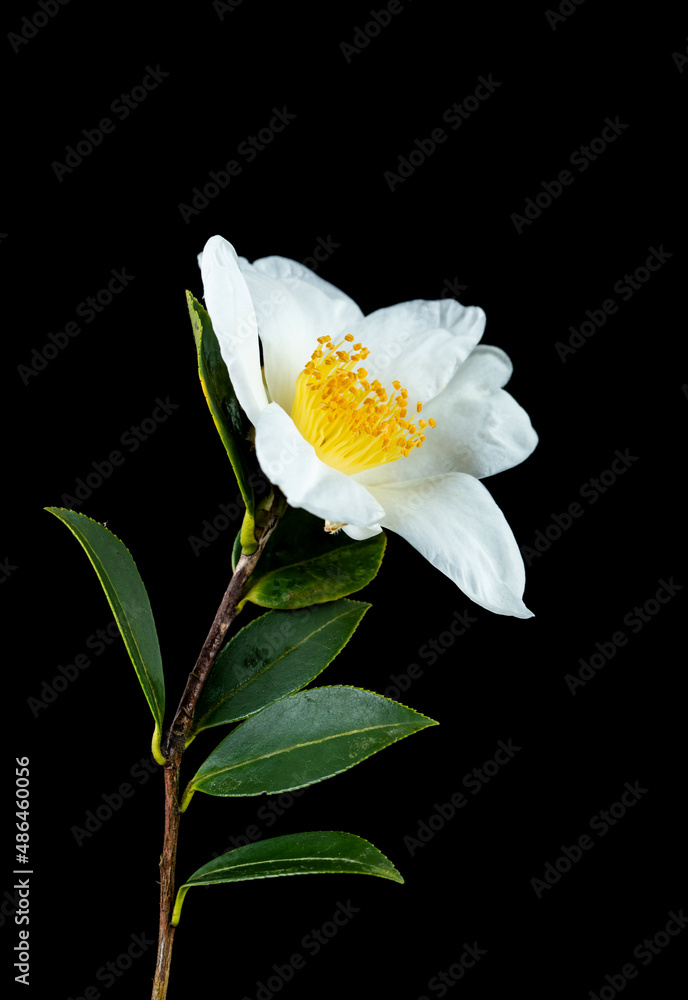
[{"x": 353, "y": 424}]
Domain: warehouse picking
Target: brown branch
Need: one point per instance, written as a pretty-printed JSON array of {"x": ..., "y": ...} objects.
[
  {"x": 176, "y": 741},
  {"x": 168, "y": 862}
]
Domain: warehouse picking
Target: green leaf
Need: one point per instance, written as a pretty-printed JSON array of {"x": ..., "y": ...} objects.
[
  {"x": 302, "y": 739},
  {"x": 130, "y": 605},
  {"x": 303, "y": 565},
  {"x": 274, "y": 656},
  {"x": 313, "y": 853},
  {"x": 231, "y": 421}
]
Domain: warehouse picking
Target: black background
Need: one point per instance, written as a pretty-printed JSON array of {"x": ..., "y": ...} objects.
[{"x": 322, "y": 180}]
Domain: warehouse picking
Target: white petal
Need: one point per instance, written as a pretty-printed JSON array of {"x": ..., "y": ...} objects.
[
  {"x": 294, "y": 307},
  {"x": 453, "y": 521},
  {"x": 230, "y": 308},
  {"x": 295, "y": 276},
  {"x": 481, "y": 429},
  {"x": 420, "y": 343},
  {"x": 289, "y": 461},
  {"x": 360, "y": 534}
]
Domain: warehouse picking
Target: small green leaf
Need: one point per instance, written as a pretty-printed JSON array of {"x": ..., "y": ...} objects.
[
  {"x": 274, "y": 656},
  {"x": 231, "y": 421},
  {"x": 313, "y": 853},
  {"x": 304, "y": 738},
  {"x": 303, "y": 565},
  {"x": 130, "y": 605}
]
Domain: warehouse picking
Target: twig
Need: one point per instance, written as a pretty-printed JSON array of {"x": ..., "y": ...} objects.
[{"x": 176, "y": 741}]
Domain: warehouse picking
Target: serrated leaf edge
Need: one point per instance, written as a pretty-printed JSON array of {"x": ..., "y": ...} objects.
[
  {"x": 189, "y": 884},
  {"x": 315, "y": 560},
  {"x": 158, "y": 718},
  {"x": 349, "y": 611},
  {"x": 192, "y": 787}
]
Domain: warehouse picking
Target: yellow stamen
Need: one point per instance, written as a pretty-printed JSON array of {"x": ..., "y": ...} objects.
[{"x": 352, "y": 424}]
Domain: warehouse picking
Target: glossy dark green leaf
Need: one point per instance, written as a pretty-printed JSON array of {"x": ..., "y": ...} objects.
[
  {"x": 274, "y": 656},
  {"x": 130, "y": 605},
  {"x": 303, "y": 739},
  {"x": 303, "y": 565},
  {"x": 232, "y": 423},
  {"x": 313, "y": 853}
]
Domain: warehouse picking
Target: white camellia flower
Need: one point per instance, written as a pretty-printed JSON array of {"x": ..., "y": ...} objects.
[{"x": 388, "y": 420}]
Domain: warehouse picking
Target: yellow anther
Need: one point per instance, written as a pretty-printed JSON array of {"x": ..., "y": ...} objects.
[
  {"x": 432, "y": 422},
  {"x": 422, "y": 424},
  {"x": 352, "y": 424}
]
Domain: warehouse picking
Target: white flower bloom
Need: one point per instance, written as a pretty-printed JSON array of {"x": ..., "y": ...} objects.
[{"x": 387, "y": 420}]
